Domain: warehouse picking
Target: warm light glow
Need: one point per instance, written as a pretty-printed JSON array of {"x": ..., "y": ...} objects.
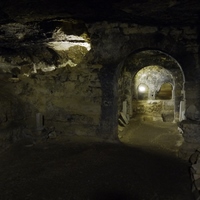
[{"x": 142, "y": 88}]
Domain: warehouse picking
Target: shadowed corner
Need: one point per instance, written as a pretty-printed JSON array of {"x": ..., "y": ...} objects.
[{"x": 112, "y": 195}]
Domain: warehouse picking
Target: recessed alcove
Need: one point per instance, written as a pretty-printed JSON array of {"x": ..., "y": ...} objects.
[{"x": 165, "y": 92}]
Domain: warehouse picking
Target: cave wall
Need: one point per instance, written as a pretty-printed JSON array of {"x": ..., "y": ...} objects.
[
  {"x": 180, "y": 43},
  {"x": 76, "y": 89},
  {"x": 67, "y": 98}
]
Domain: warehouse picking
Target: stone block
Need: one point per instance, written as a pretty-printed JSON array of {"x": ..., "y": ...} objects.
[
  {"x": 197, "y": 184},
  {"x": 157, "y": 117},
  {"x": 124, "y": 107},
  {"x": 52, "y": 135},
  {"x": 196, "y": 168},
  {"x": 193, "y": 158},
  {"x": 124, "y": 118},
  {"x": 191, "y": 131},
  {"x": 81, "y": 79},
  {"x": 5, "y": 76},
  {"x": 196, "y": 176},
  {"x": 139, "y": 30},
  {"x": 192, "y": 170},
  {"x": 121, "y": 122},
  {"x": 128, "y": 31},
  {"x": 193, "y": 113},
  {"x": 70, "y": 87},
  {"x": 195, "y": 193},
  {"x": 187, "y": 149},
  {"x": 198, "y": 159},
  {"x": 73, "y": 77},
  {"x": 95, "y": 84},
  {"x": 123, "y": 25},
  {"x": 168, "y": 105},
  {"x": 63, "y": 78}
]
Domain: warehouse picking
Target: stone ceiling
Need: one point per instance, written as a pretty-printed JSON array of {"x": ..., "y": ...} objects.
[
  {"x": 37, "y": 31},
  {"x": 151, "y": 12}
]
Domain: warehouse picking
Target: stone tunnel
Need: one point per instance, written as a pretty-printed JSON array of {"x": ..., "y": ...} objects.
[{"x": 98, "y": 71}]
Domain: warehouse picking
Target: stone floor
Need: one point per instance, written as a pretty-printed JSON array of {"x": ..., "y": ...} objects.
[{"x": 142, "y": 166}]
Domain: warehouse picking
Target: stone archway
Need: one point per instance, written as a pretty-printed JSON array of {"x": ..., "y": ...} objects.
[
  {"x": 139, "y": 60},
  {"x": 165, "y": 91},
  {"x": 154, "y": 84}
]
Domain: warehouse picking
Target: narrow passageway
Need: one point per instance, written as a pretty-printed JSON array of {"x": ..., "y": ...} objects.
[{"x": 143, "y": 166}]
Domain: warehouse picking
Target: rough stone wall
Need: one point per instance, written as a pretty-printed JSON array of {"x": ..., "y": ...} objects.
[
  {"x": 112, "y": 43},
  {"x": 156, "y": 110},
  {"x": 76, "y": 90},
  {"x": 63, "y": 95}
]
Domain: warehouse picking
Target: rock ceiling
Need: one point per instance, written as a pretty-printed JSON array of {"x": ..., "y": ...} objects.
[
  {"x": 30, "y": 29},
  {"x": 155, "y": 12}
]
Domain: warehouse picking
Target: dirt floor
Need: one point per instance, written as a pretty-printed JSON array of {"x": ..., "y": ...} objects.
[{"x": 142, "y": 166}]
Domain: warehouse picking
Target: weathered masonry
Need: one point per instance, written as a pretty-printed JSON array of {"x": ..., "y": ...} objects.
[{"x": 81, "y": 76}]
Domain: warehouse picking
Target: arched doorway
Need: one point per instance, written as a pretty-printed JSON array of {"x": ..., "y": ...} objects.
[
  {"x": 165, "y": 92},
  {"x": 155, "y": 78},
  {"x": 152, "y": 94}
]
